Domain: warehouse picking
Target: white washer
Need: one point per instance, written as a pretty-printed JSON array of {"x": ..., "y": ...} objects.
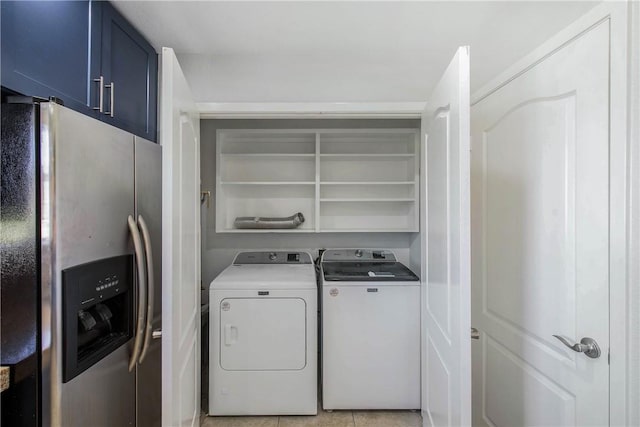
[
  {"x": 370, "y": 331},
  {"x": 263, "y": 336}
]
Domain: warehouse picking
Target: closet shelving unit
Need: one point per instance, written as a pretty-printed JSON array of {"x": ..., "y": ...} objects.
[{"x": 342, "y": 180}]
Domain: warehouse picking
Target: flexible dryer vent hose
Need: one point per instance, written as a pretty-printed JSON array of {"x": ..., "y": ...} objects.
[{"x": 292, "y": 221}]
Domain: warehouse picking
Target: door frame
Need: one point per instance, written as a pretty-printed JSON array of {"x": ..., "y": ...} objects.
[
  {"x": 624, "y": 302},
  {"x": 624, "y": 164},
  {"x": 311, "y": 110}
]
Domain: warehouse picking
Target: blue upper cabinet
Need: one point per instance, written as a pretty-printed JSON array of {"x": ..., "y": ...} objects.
[
  {"x": 84, "y": 53},
  {"x": 128, "y": 65},
  {"x": 45, "y": 50}
]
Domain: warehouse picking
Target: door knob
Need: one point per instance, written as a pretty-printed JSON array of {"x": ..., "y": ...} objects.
[
  {"x": 587, "y": 345},
  {"x": 157, "y": 334}
]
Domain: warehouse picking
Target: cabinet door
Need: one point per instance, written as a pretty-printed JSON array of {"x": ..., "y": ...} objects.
[
  {"x": 130, "y": 64},
  {"x": 45, "y": 50}
]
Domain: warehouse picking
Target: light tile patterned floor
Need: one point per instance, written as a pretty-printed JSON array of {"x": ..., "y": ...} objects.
[{"x": 323, "y": 419}]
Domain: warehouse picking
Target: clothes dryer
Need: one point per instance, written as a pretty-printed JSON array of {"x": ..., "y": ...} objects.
[{"x": 263, "y": 336}]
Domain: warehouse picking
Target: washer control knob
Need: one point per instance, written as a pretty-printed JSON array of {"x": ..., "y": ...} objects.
[
  {"x": 273, "y": 256},
  {"x": 359, "y": 253}
]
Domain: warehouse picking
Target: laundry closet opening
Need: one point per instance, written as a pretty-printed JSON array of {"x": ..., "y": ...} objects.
[{"x": 355, "y": 181}]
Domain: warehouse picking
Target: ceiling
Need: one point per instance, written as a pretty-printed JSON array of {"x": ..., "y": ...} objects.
[{"x": 348, "y": 51}]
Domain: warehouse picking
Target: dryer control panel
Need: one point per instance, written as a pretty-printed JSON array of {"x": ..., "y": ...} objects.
[{"x": 272, "y": 257}]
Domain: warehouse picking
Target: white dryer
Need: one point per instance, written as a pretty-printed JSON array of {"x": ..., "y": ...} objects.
[
  {"x": 370, "y": 331},
  {"x": 263, "y": 336}
]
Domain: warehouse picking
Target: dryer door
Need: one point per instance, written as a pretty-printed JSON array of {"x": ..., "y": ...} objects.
[{"x": 262, "y": 334}]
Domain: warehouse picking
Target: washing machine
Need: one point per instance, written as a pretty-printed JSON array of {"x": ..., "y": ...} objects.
[
  {"x": 370, "y": 313},
  {"x": 263, "y": 336}
]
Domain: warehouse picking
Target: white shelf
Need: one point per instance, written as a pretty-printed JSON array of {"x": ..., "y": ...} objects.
[
  {"x": 278, "y": 141},
  {"x": 267, "y": 156},
  {"x": 368, "y": 169},
  {"x": 369, "y": 230},
  {"x": 268, "y": 183},
  {"x": 371, "y": 191},
  {"x": 257, "y": 230},
  {"x": 354, "y": 156},
  {"x": 269, "y": 169},
  {"x": 342, "y": 180},
  {"x": 355, "y": 199},
  {"x": 368, "y": 215},
  {"x": 265, "y": 200},
  {"x": 368, "y": 183}
]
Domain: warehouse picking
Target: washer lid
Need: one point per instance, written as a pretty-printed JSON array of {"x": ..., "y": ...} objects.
[
  {"x": 367, "y": 272},
  {"x": 261, "y": 276}
]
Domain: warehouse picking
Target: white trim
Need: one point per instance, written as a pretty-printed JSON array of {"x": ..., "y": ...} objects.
[
  {"x": 623, "y": 245},
  {"x": 288, "y": 110},
  {"x": 633, "y": 260},
  {"x": 309, "y": 131},
  {"x": 618, "y": 207},
  {"x": 165, "y": 133}
]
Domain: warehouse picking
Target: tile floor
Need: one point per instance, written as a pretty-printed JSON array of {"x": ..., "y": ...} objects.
[{"x": 323, "y": 419}]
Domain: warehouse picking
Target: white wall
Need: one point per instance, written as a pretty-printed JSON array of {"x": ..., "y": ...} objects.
[
  {"x": 357, "y": 51},
  {"x": 309, "y": 78},
  {"x": 218, "y": 249}
]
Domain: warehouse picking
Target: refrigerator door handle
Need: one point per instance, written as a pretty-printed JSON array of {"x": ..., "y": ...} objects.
[
  {"x": 142, "y": 294},
  {"x": 150, "y": 286}
]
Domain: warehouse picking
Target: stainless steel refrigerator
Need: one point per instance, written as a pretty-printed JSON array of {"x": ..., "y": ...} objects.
[{"x": 81, "y": 220}]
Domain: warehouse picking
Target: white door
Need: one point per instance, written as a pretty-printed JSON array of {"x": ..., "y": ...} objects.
[
  {"x": 445, "y": 211},
  {"x": 180, "y": 137},
  {"x": 541, "y": 229},
  {"x": 263, "y": 334}
]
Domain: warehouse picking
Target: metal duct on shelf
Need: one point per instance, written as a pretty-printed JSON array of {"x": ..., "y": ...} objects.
[{"x": 249, "y": 222}]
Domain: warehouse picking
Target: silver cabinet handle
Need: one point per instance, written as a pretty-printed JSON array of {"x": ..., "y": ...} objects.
[
  {"x": 142, "y": 300},
  {"x": 587, "y": 345},
  {"x": 157, "y": 334},
  {"x": 112, "y": 88},
  {"x": 146, "y": 238},
  {"x": 100, "y": 82}
]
